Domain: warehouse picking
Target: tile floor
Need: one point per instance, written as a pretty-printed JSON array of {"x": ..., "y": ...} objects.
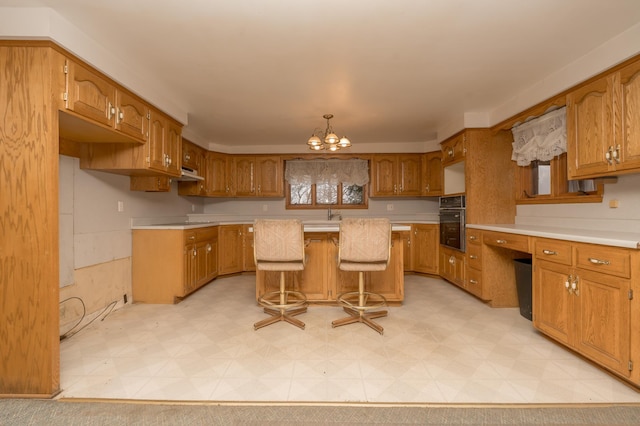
[{"x": 441, "y": 346}]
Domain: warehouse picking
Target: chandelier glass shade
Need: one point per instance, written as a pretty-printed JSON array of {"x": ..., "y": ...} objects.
[{"x": 327, "y": 139}]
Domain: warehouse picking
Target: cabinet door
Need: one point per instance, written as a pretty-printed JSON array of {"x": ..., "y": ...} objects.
[
  {"x": 383, "y": 175},
  {"x": 602, "y": 313},
  {"x": 190, "y": 278},
  {"x": 173, "y": 149},
  {"x": 157, "y": 135},
  {"x": 407, "y": 250},
  {"x": 432, "y": 174},
  {"x": 386, "y": 282},
  {"x": 590, "y": 128},
  {"x": 425, "y": 242},
  {"x": 269, "y": 177},
  {"x": 132, "y": 116},
  {"x": 627, "y": 135},
  {"x": 409, "y": 177},
  {"x": 211, "y": 259},
  {"x": 454, "y": 149},
  {"x": 201, "y": 263},
  {"x": 90, "y": 95},
  {"x": 230, "y": 249},
  {"x": 193, "y": 156},
  {"x": 312, "y": 281},
  {"x": 217, "y": 178},
  {"x": 552, "y": 302},
  {"x": 244, "y": 176},
  {"x": 249, "y": 261}
]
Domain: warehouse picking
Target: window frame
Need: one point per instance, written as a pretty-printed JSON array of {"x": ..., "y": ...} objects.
[
  {"x": 314, "y": 204},
  {"x": 559, "y": 186}
]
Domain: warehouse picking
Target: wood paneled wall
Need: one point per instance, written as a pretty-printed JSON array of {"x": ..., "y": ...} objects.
[{"x": 29, "y": 343}]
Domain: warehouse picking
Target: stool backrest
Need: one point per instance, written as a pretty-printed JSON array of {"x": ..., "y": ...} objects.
[
  {"x": 278, "y": 240},
  {"x": 364, "y": 241}
]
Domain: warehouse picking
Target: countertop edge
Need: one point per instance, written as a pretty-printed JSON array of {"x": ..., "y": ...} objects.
[{"x": 614, "y": 239}]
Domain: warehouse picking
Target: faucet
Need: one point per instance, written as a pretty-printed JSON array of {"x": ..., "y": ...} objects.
[{"x": 330, "y": 215}]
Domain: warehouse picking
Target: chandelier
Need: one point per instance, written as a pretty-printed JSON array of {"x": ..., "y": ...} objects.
[{"x": 327, "y": 139}]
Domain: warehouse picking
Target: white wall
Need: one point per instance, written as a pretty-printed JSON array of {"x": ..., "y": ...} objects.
[
  {"x": 95, "y": 239},
  {"x": 625, "y": 218}
]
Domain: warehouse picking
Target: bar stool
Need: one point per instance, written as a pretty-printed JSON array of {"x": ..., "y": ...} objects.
[
  {"x": 279, "y": 246},
  {"x": 364, "y": 245}
]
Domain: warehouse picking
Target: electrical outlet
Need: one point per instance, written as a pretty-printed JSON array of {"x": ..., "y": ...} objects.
[
  {"x": 389, "y": 207},
  {"x": 120, "y": 206}
]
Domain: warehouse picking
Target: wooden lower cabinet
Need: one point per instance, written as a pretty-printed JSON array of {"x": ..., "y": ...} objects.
[
  {"x": 231, "y": 255},
  {"x": 169, "y": 264},
  {"x": 452, "y": 266},
  {"x": 424, "y": 248},
  {"x": 583, "y": 298},
  {"x": 322, "y": 280}
]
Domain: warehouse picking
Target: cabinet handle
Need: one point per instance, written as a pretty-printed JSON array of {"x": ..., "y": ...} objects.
[
  {"x": 208, "y": 248},
  {"x": 450, "y": 152},
  {"x": 395, "y": 189},
  {"x": 120, "y": 116},
  {"x": 192, "y": 237},
  {"x": 608, "y": 155},
  {"x": 473, "y": 237},
  {"x": 473, "y": 282},
  {"x": 427, "y": 188},
  {"x": 616, "y": 154},
  {"x": 598, "y": 261},
  {"x": 110, "y": 111},
  {"x": 473, "y": 256},
  {"x": 567, "y": 283},
  {"x": 187, "y": 157},
  {"x": 452, "y": 260},
  {"x": 501, "y": 241},
  {"x": 574, "y": 286},
  {"x": 195, "y": 253},
  {"x": 549, "y": 252}
]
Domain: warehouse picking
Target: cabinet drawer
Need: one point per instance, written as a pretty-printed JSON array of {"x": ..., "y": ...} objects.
[
  {"x": 474, "y": 281},
  {"x": 474, "y": 256},
  {"x": 609, "y": 260},
  {"x": 208, "y": 233},
  {"x": 553, "y": 251},
  {"x": 506, "y": 240},
  {"x": 190, "y": 236},
  {"x": 474, "y": 236}
]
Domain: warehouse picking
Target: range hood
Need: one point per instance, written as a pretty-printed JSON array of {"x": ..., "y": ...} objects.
[{"x": 189, "y": 175}]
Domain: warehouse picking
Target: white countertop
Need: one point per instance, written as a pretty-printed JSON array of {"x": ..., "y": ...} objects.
[
  {"x": 309, "y": 225},
  {"x": 607, "y": 238}
]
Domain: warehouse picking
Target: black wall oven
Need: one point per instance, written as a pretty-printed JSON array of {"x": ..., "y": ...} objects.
[{"x": 452, "y": 222}]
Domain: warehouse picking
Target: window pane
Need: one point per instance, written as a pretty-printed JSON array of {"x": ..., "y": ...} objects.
[
  {"x": 326, "y": 193},
  {"x": 301, "y": 194},
  {"x": 352, "y": 194}
]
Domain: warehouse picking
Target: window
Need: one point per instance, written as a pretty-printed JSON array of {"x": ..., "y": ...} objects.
[
  {"x": 327, "y": 183},
  {"x": 539, "y": 150},
  {"x": 546, "y": 182}
]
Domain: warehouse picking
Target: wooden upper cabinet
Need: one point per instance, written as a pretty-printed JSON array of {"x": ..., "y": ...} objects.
[
  {"x": 269, "y": 176},
  {"x": 218, "y": 179},
  {"x": 258, "y": 176},
  {"x": 94, "y": 97},
  {"x": 396, "y": 175},
  {"x": 454, "y": 149},
  {"x": 164, "y": 146},
  {"x": 590, "y": 128},
  {"x": 432, "y": 181},
  {"x": 193, "y": 156},
  {"x": 603, "y": 137},
  {"x": 626, "y": 113}
]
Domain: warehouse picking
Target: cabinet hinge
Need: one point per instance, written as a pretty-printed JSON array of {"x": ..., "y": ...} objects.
[
  {"x": 630, "y": 365},
  {"x": 65, "y": 96},
  {"x": 630, "y": 294}
]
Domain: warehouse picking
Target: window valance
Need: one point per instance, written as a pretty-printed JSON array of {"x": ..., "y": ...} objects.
[
  {"x": 541, "y": 138},
  {"x": 334, "y": 171}
]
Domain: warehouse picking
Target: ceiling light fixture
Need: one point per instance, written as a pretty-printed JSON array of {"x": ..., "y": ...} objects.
[{"x": 327, "y": 139}]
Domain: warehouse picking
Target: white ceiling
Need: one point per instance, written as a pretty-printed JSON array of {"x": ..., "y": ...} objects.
[{"x": 262, "y": 73}]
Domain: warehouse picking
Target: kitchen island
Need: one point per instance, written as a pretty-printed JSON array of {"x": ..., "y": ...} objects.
[{"x": 322, "y": 280}]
